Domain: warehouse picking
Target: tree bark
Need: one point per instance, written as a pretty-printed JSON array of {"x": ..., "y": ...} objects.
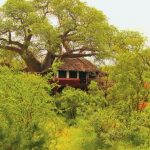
[
  {"x": 48, "y": 61},
  {"x": 33, "y": 65}
]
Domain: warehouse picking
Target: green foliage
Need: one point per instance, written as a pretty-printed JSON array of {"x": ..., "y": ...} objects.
[
  {"x": 56, "y": 26},
  {"x": 129, "y": 41},
  {"x": 115, "y": 130},
  {"x": 69, "y": 101},
  {"x": 77, "y": 119},
  {"x": 107, "y": 119},
  {"x": 130, "y": 75},
  {"x": 11, "y": 59},
  {"x": 79, "y": 137},
  {"x": 74, "y": 102},
  {"x": 116, "y": 120},
  {"x": 24, "y": 109}
]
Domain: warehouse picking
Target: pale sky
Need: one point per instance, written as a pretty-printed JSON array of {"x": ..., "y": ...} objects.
[{"x": 124, "y": 14}]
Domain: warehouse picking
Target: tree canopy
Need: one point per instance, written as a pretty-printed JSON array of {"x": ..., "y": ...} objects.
[
  {"x": 113, "y": 116},
  {"x": 55, "y": 29},
  {"x": 40, "y": 32}
]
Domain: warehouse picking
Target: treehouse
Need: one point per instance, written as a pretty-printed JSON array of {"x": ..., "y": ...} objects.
[{"x": 76, "y": 72}]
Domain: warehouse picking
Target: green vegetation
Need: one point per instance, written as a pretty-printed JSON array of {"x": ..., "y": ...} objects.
[
  {"x": 101, "y": 118},
  {"x": 32, "y": 119}
]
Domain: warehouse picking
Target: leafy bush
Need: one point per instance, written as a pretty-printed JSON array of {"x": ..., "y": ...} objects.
[{"x": 24, "y": 109}]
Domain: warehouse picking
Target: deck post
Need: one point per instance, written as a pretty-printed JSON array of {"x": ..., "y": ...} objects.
[
  {"x": 67, "y": 74},
  {"x": 57, "y": 74},
  {"x": 77, "y": 74}
]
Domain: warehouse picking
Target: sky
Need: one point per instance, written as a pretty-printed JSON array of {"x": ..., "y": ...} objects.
[{"x": 124, "y": 14}]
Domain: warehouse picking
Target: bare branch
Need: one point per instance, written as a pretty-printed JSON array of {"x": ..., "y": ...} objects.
[
  {"x": 11, "y": 42},
  {"x": 11, "y": 48},
  {"x": 82, "y": 49},
  {"x": 77, "y": 55},
  {"x": 14, "y": 42}
]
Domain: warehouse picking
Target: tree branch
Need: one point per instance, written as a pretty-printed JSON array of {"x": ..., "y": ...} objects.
[
  {"x": 14, "y": 42},
  {"x": 9, "y": 41},
  {"x": 66, "y": 55},
  {"x": 48, "y": 61},
  {"x": 11, "y": 48},
  {"x": 27, "y": 40},
  {"x": 81, "y": 50}
]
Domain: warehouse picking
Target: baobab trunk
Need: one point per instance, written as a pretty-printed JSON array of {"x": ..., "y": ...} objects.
[
  {"x": 34, "y": 65},
  {"x": 49, "y": 59}
]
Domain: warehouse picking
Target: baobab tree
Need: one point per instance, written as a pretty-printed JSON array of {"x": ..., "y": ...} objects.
[
  {"x": 41, "y": 31},
  {"x": 56, "y": 29}
]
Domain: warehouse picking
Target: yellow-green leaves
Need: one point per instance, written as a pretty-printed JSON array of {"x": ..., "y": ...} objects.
[
  {"x": 129, "y": 41},
  {"x": 17, "y": 9}
]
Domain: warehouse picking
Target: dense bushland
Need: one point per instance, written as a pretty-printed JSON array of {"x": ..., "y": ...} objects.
[
  {"x": 31, "y": 118},
  {"x": 35, "y": 36}
]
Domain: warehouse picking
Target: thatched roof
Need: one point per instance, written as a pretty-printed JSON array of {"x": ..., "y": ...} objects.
[{"x": 78, "y": 64}]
